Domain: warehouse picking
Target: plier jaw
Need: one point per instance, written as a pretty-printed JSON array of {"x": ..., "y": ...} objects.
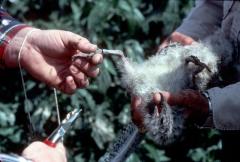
[{"x": 61, "y": 130}]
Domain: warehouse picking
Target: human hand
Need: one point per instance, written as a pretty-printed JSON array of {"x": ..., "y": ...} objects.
[
  {"x": 136, "y": 114},
  {"x": 47, "y": 56},
  {"x": 176, "y": 37},
  {"x": 40, "y": 152},
  {"x": 196, "y": 107},
  {"x": 195, "y": 104}
]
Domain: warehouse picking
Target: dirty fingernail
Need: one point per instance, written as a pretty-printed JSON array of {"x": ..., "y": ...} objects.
[
  {"x": 93, "y": 47},
  {"x": 73, "y": 69}
]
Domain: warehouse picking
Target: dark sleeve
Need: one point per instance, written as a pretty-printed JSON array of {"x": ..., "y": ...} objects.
[
  {"x": 203, "y": 20},
  {"x": 9, "y": 27}
]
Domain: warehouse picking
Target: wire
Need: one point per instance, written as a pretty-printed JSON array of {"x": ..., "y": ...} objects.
[
  {"x": 24, "y": 88},
  {"x": 57, "y": 107},
  {"x": 27, "y": 110}
]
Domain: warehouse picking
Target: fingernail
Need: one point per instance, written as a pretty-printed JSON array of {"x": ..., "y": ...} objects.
[
  {"x": 93, "y": 47},
  {"x": 78, "y": 61},
  {"x": 156, "y": 111},
  {"x": 73, "y": 69},
  {"x": 85, "y": 82},
  {"x": 101, "y": 59},
  {"x": 138, "y": 100},
  {"x": 95, "y": 59},
  {"x": 157, "y": 98}
]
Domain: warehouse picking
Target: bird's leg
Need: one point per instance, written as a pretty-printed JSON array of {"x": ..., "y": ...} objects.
[{"x": 200, "y": 67}]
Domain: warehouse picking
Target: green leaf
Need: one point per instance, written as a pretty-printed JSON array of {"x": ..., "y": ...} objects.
[
  {"x": 76, "y": 11},
  {"x": 7, "y": 117},
  {"x": 133, "y": 158},
  {"x": 155, "y": 154},
  {"x": 79, "y": 158},
  {"x": 62, "y": 3},
  {"x": 103, "y": 81},
  {"x": 102, "y": 132},
  {"x": 98, "y": 15},
  {"x": 125, "y": 6},
  {"x": 109, "y": 66}
]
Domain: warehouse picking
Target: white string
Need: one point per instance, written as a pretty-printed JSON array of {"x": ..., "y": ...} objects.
[
  {"x": 57, "y": 108},
  {"x": 23, "y": 82}
]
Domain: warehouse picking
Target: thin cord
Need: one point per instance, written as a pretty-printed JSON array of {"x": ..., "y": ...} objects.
[
  {"x": 57, "y": 107},
  {"x": 23, "y": 82},
  {"x": 24, "y": 88}
]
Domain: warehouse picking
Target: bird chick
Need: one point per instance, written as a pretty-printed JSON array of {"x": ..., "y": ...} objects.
[{"x": 173, "y": 69}]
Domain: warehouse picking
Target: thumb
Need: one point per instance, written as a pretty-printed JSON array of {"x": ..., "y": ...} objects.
[
  {"x": 137, "y": 117},
  {"x": 60, "y": 147},
  {"x": 73, "y": 41},
  {"x": 164, "y": 44},
  {"x": 171, "y": 98}
]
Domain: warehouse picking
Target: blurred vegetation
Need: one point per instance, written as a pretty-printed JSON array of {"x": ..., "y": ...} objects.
[{"x": 135, "y": 26}]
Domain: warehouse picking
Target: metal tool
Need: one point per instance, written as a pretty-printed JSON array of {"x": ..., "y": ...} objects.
[
  {"x": 12, "y": 158},
  {"x": 61, "y": 130},
  {"x": 52, "y": 140},
  {"x": 104, "y": 52}
]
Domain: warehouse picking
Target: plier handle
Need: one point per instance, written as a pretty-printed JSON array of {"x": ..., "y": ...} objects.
[{"x": 61, "y": 130}]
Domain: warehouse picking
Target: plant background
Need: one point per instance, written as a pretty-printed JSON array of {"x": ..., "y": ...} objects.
[{"x": 135, "y": 26}]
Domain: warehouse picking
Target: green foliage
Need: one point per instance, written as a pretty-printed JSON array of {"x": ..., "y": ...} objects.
[
  {"x": 206, "y": 155},
  {"x": 155, "y": 154},
  {"x": 134, "y": 26}
]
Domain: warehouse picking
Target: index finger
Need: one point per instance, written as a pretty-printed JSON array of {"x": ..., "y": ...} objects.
[
  {"x": 137, "y": 117},
  {"x": 135, "y": 102},
  {"x": 171, "y": 98},
  {"x": 76, "y": 42},
  {"x": 97, "y": 59}
]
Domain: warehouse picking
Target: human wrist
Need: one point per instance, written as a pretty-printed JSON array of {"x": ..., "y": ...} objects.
[
  {"x": 197, "y": 106},
  {"x": 9, "y": 28},
  {"x": 11, "y": 52},
  {"x": 206, "y": 95},
  {"x": 206, "y": 110}
]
